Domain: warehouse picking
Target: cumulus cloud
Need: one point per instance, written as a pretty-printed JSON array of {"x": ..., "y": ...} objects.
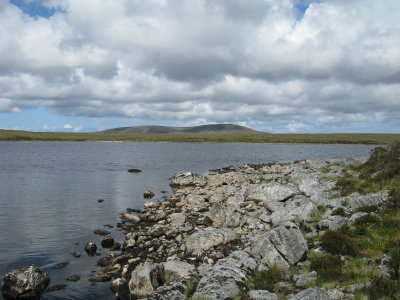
[{"x": 260, "y": 63}]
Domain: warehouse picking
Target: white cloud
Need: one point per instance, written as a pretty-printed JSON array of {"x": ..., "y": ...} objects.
[{"x": 248, "y": 62}]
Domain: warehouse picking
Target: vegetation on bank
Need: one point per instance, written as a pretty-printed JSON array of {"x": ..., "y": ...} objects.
[{"x": 221, "y": 137}]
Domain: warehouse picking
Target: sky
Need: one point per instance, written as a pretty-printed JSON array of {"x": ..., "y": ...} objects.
[{"x": 280, "y": 66}]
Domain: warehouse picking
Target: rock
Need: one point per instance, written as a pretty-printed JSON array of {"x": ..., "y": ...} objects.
[
  {"x": 90, "y": 248},
  {"x": 145, "y": 279},
  {"x": 107, "y": 242},
  {"x": 131, "y": 218},
  {"x": 56, "y": 287},
  {"x": 333, "y": 223},
  {"x": 120, "y": 288},
  {"x": 355, "y": 200},
  {"x": 303, "y": 281},
  {"x": 296, "y": 211},
  {"x": 60, "y": 265},
  {"x": 25, "y": 283},
  {"x": 177, "y": 219},
  {"x": 262, "y": 295},
  {"x": 148, "y": 194},
  {"x": 356, "y": 216},
  {"x": 270, "y": 192},
  {"x": 73, "y": 278},
  {"x": 289, "y": 241},
  {"x": 100, "y": 200},
  {"x": 76, "y": 254},
  {"x": 336, "y": 294},
  {"x": 265, "y": 253},
  {"x": 207, "y": 238},
  {"x": 101, "y": 232},
  {"x": 176, "y": 269},
  {"x": 311, "y": 294},
  {"x": 105, "y": 261},
  {"x": 100, "y": 277},
  {"x": 224, "y": 279},
  {"x": 186, "y": 180},
  {"x": 134, "y": 170}
]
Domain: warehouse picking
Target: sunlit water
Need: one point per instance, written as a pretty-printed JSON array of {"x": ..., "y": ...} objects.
[{"x": 49, "y": 195}]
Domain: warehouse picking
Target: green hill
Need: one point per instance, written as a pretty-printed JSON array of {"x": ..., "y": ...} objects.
[{"x": 212, "y": 129}]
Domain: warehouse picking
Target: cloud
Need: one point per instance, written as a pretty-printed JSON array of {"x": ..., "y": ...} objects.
[{"x": 251, "y": 62}]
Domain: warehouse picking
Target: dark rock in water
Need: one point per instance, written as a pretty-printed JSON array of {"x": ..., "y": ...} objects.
[
  {"x": 134, "y": 170},
  {"x": 76, "y": 254},
  {"x": 25, "y": 283},
  {"x": 148, "y": 194},
  {"x": 101, "y": 277},
  {"x": 105, "y": 261},
  {"x": 107, "y": 242},
  {"x": 100, "y": 200},
  {"x": 56, "y": 287},
  {"x": 116, "y": 247},
  {"x": 90, "y": 248},
  {"x": 73, "y": 278},
  {"x": 164, "y": 192},
  {"x": 108, "y": 225},
  {"x": 60, "y": 265},
  {"x": 134, "y": 210},
  {"x": 101, "y": 232}
]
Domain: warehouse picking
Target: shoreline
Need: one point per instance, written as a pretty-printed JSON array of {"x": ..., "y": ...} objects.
[{"x": 262, "y": 213}]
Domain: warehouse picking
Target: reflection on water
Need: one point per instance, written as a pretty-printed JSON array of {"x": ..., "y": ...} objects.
[{"x": 49, "y": 193}]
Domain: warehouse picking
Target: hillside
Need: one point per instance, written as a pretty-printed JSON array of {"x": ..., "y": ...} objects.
[{"x": 212, "y": 129}]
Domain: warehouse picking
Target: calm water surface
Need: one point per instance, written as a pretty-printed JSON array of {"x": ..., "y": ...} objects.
[{"x": 49, "y": 193}]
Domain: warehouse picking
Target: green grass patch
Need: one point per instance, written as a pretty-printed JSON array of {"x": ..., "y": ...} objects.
[
  {"x": 328, "y": 267},
  {"x": 338, "y": 243},
  {"x": 266, "y": 280}
]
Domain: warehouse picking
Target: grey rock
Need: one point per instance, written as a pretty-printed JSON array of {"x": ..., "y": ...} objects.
[
  {"x": 176, "y": 269},
  {"x": 333, "y": 223},
  {"x": 25, "y": 283},
  {"x": 177, "y": 219},
  {"x": 289, "y": 241},
  {"x": 270, "y": 192},
  {"x": 73, "y": 278},
  {"x": 266, "y": 254},
  {"x": 336, "y": 294},
  {"x": 207, "y": 238},
  {"x": 356, "y": 216},
  {"x": 262, "y": 295},
  {"x": 131, "y": 218},
  {"x": 311, "y": 294},
  {"x": 303, "y": 281},
  {"x": 223, "y": 279},
  {"x": 187, "y": 179},
  {"x": 296, "y": 211},
  {"x": 145, "y": 279},
  {"x": 355, "y": 200}
]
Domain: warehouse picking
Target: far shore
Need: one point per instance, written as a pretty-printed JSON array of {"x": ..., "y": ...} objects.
[{"x": 261, "y": 138}]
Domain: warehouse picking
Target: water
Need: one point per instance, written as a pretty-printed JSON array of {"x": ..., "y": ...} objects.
[{"x": 49, "y": 195}]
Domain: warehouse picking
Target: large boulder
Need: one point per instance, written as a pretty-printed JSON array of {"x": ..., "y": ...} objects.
[
  {"x": 298, "y": 211},
  {"x": 207, "y": 238},
  {"x": 312, "y": 294},
  {"x": 355, "y": 200},
  {"x": 176, "y": 269},
  {"x": 223, "y": 280},
  {"x": 25, "y": 283},
  {"x": 289, "y": 241},
  {"x": 145, "y": 279}
]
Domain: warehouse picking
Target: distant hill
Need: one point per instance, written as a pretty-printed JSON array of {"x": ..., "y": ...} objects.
[{"x": 211, "y": 129}]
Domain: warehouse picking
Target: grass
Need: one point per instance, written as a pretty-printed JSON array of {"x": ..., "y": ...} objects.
[
  {"x": 266, "y": 280},
  {"x": 334, "y": 138}
]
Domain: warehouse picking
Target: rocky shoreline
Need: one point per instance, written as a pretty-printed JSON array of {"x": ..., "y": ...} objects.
[{"x": 208, "y": 239}]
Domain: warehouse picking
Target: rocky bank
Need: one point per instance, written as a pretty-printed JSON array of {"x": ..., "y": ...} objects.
[{"x": 216, "y": 231}]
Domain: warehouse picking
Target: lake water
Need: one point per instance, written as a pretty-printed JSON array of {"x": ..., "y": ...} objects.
[{"x": 49, "y": 195}]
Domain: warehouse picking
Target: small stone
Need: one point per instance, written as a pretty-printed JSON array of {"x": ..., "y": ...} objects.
[
  {"x": 60, "y": 265},
  {"x": 56, "y": 287},
  {"x": 73, "y": 278},
  {"x": 107, "y": 242},
  {"x": 101, "y": 232},
  {"x": 90, "y": 248},
  {"x": 148, "y": 194},
  {"x": 133, "y": 170},
  {"x": 131, "y": 218},
  {"x": 76, "y": 254},
  {"x": 100, "y": 200}
]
